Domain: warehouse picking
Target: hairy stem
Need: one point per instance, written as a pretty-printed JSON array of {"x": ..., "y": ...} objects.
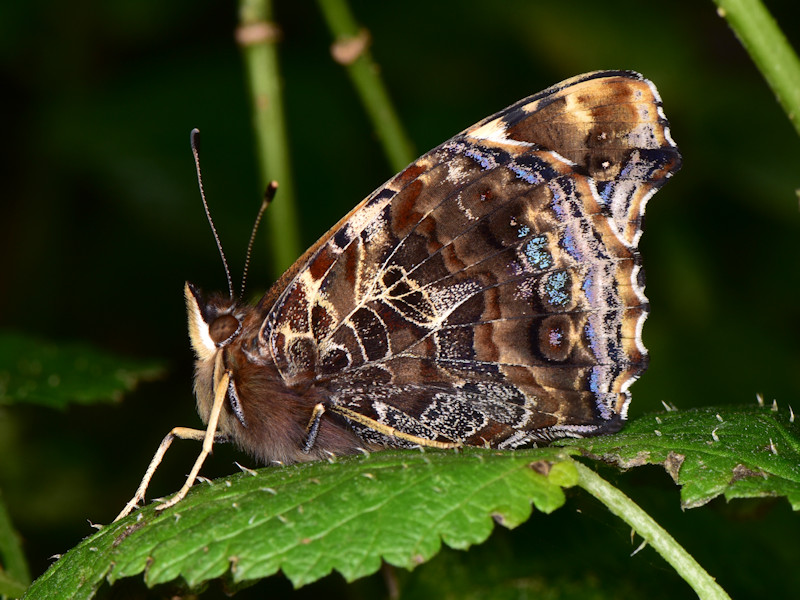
[
  {"x": 622, "y": 506},
  {"x": 764, "y": 41},
  {"x": 258, "y": 37},
  {"x": 351, "y": 49}
]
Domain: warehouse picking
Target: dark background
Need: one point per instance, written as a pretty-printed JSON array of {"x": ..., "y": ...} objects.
[{"x": 102, "y": 223}]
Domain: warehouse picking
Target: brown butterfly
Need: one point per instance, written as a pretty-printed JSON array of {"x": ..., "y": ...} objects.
[{"x": 490, "y": 294}]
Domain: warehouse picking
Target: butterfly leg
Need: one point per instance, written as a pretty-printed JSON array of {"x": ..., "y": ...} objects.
[
  {"x": 209, "y": 436},
  {"x": 313, "y": 427},
  {"x": 391, "y": 431},
  {"x": 183, "y": 433}
]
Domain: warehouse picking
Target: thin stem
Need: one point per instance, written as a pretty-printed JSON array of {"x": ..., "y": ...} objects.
[
  {"x": 764, "y": 41},
  {"x": 258, "y": 36},
  {"x": 13, "y": 559},
  {"x": 622, "y": 506},
  {"x": 351, "y": 49}
]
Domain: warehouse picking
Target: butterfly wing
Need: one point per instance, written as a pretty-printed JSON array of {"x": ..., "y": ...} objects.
[{"x": 492, "y": 292}]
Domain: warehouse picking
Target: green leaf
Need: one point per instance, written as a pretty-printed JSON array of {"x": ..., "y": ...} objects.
[
  {"x": 56, "y": 374},
  {"x": 14, "y": 573},
  {"x": 741, "y": 452},
  {"x": 308, "y": 520},
  {"x": 10, "y": 587}
]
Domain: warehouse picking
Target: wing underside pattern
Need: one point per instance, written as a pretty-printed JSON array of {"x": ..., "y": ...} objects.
[{"x": 492, "y": 292}]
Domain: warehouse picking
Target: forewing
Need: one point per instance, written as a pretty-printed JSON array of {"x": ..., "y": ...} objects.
[{"x": 491, "y": 292}]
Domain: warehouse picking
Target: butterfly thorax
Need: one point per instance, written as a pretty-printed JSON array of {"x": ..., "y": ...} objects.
[{"x": 261, "y": 413}]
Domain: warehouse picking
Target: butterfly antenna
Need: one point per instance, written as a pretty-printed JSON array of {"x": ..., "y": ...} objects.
[
  {"x": 195, "y": 140},
  {"x": 269, "y": 195}
]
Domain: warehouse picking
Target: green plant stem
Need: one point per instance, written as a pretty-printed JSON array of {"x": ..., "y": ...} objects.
[
  {"x": 15, "y": 568},
  {"x": 258, "y": 38},
  {"x": 369, "y": 86},
  {"x": 622, "y": 506},
  {"x": 769, "y": 49}
]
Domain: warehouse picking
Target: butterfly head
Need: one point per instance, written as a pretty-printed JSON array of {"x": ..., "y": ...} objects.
[
  {"x": 213, "y": 322},
  {"x": 216, "y": 323}
]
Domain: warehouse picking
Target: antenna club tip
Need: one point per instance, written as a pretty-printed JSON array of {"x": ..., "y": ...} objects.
[
  {"x": 269, "y": 194},
  {"x": 194, "y": 138}
]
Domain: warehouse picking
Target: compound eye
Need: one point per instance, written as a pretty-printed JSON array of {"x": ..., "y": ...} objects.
[{"x": 223, "y": 328}]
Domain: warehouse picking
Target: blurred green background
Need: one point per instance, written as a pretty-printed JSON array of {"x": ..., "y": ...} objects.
[{"x": 102, "y": 223}]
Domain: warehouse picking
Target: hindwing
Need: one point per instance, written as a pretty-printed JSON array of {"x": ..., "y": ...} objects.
[{"x": 492, "y": 292}]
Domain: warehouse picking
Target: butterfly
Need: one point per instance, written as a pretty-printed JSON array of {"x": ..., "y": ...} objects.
[{"x": 490, "y": 294}]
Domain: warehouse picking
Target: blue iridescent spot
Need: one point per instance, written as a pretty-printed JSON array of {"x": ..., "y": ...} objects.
[
  {"x": 558, "y": 199},
  {"x": 568, "y": 242},
  {"x": 536, "y": 251},
  {"x": 588, "y": 289},
  {"x": 556, "y": 288},
  {"x": 594, "y": 382},
  {"x": 523, "y": 231},
  {"x": 526, "y": 174},
  {"x": 591, "y": 336},
  {"x": 604, "y": 190},
  {"x": 486, "y": 161}
]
